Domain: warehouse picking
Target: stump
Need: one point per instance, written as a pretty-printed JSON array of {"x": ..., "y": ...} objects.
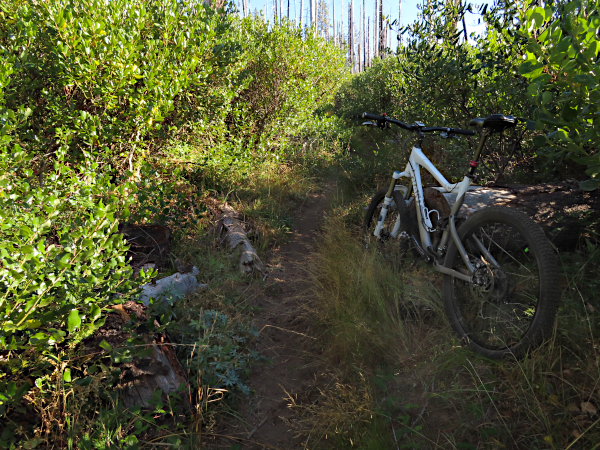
[{"x": 141, "y": 376}]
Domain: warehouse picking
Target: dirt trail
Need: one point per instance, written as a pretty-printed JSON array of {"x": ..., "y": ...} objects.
[{"x": 270, "y": 422}]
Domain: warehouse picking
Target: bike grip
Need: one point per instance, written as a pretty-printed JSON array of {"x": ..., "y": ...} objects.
[
  {"x": 460, "y": 131},
  {"x": 373, "y": 116}
]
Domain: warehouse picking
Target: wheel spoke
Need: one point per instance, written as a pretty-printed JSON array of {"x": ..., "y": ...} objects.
[{"x": 498, "y": 309}]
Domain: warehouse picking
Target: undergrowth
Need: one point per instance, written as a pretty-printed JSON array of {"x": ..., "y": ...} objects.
[{"x": 382, "y": 324}]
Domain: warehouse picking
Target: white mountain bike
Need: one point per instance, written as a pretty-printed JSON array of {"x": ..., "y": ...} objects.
[{"x": 501, "y": 288}]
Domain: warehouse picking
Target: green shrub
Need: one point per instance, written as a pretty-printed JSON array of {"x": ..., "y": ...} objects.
[
  {"x": 561, "y": 63},
  {"x": 63, "y": 264},
  {"x": 439, "y": 79},
  {"x": 121, "y": 74}
]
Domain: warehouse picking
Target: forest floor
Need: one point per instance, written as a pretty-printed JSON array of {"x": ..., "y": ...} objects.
[
  {"x": 291, "y": 374},
  {"x": 360, "y": 356}
]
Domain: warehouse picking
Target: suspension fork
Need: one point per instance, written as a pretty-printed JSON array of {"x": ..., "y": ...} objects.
[{"x": 386, "y": 203}]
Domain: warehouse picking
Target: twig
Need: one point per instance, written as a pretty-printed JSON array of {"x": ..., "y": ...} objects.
[
  {"x": 395, "y": 438},
  {"x": 262, "y": 422}
]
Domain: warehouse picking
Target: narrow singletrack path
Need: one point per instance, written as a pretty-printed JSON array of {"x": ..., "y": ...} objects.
[{"x": 291, "y": 374}]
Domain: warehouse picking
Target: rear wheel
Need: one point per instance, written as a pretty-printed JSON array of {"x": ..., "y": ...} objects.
[{"x": 512, "y": 302}]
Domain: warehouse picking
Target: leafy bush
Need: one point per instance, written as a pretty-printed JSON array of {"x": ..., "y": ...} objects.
[
  {"x": 121, "y": 74},
  {"x": 103, "y": 106},
  {"x": 63, "y": 263},
  {"x": 561, "y": 62},
  {"x": 217, "y": 352},
  {"x": 439, "y": 79}
]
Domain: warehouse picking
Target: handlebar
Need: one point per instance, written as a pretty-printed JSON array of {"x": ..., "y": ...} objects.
[
  {"x": 419, "y": 127},
  {"x": 388, "y": 119}
]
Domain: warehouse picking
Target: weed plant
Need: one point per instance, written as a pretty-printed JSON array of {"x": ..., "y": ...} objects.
[
  {"x": 383, "y": 326},
  {"x": 92, "y": 134}
]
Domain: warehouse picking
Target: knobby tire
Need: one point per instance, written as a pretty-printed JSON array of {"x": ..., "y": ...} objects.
[{"x": 514, "y": 307}]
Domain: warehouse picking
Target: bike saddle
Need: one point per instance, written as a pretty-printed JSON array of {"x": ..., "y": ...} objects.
[{"x": 496, "y": 122}]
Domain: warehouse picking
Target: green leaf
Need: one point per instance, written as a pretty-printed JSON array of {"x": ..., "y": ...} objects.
[
  {"x": 105, "y": 345},
  {"x": 546, "y": 97},
  {"x": 589, "y": 185},
  {"x": 25, "y": 231},
  {"x": 550, "y": 120},
  {"x": 63, "y": 261},
  {"x": 32, "y": 324},
  {"x": 83, "y": 381},
  {"x": 32, "y": 443},
  {"x": 569, "y": 114},
  {"x": 73, "y": 321},
  {"x": 540, "y": 141},
  {"x": 531, "y": 69},
  {"x": 95, "y": 312},
  {"x": 67, "y": 375}
]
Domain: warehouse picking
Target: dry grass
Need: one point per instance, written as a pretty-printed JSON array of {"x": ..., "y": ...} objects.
[{"x": 382, "y": 319}]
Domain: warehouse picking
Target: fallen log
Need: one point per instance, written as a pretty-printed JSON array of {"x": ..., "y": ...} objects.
[{"x": 232, "y": 233}]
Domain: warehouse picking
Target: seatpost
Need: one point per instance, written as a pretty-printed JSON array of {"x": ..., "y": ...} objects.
[{"x": 475, "y": 161}]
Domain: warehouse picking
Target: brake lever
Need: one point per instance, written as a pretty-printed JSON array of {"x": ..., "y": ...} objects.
[
  {"x": 368, "y": 122},
  {"x": 446, "y": 135}
]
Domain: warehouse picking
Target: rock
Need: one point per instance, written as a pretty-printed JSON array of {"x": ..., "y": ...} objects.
[
  {"x": 479, "y": 197},
  {"x": 139, "y": 377},
  {"x": 173, "y": 287}
]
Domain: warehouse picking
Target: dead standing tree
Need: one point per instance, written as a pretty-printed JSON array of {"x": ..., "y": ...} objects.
[{"x": 381, "y": 42}]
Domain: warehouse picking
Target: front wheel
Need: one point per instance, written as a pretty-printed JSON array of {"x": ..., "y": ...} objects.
[
  {"x": 399, "y": 206},
  {"x": 512, "y": 302}
]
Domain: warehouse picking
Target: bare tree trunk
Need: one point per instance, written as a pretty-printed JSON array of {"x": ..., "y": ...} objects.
[
  {"x": 341, "y": 27},
  {"x": 301, "y": 11},
  {"x": 280, "y": 10},
  {"x": 380, "y": 37},
  {"x": 350, "y": 43},
  {"x": 275, "y": 11},
  {"x": 368, "y": 42},
  {"x": 235, "y": 236},
  {"x": 316, "y": 17},
  {"x": 333, "y": 23},
  {"x": 364, "y": 38},
  {"x": 460, "y": 8},
  {"x": 388, "y": 35},
  {"x": 376, "y": 29},
  {"x": 399, "y": 21}
]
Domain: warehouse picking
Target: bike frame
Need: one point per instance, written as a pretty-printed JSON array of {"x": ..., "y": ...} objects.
[{"x": 417, "y": 160}]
